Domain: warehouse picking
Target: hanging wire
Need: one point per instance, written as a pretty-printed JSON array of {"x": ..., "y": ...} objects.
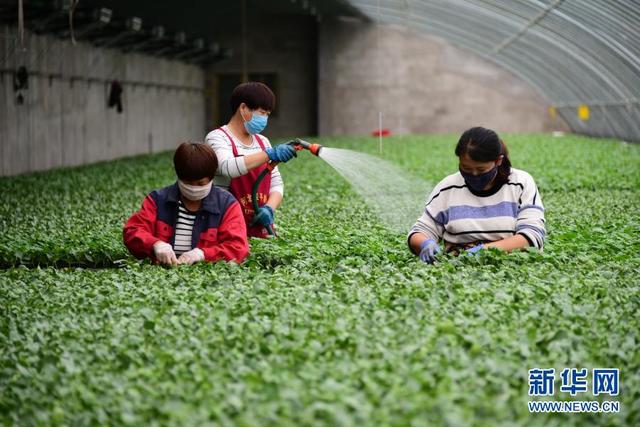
[
  {"x": 72, "y": 9},
  {"x": 21, "y": 22},
  {"x": 245, "y": 72}
]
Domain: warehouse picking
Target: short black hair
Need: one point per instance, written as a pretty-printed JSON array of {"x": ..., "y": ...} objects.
[
  {"x": 194, "y": 161},
  {"x": 255, "y": 95}
]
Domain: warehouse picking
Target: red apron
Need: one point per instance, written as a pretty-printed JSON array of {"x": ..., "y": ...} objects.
[{"x": 241, "y": 187}]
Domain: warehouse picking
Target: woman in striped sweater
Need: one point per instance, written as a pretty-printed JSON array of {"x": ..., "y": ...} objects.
[{"x": 486, "y": 204}]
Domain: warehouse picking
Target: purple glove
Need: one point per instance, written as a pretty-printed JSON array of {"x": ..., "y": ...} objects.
[
  {"x": 428, "y": 250},
  {"x": 475, "y": 249}
]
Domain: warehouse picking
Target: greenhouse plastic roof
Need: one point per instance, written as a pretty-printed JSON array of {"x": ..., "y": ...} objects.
[{"x": 583, "y": 56}]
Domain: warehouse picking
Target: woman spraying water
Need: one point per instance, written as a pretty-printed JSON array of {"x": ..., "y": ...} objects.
[
  {"x": 243, "y": 154},
  {"x": 486, "y": 204}
]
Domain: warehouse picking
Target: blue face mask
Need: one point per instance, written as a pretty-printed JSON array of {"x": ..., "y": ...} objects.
[
  {"x": 257, "y": 123},
  {"x": 479, "y": 182}
]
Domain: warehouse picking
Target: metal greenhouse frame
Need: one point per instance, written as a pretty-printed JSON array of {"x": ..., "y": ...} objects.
[{"x": 583, "y": 56}]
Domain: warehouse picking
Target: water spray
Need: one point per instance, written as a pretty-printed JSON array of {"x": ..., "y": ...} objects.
[{"x": 395, "y": 196}]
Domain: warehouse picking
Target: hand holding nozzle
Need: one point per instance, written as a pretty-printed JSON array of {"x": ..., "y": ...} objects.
[
  {"x": 300, "y": 144},
  {"x": 281, "y": 153}
]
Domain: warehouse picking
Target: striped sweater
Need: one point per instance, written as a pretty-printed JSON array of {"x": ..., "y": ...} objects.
[{"x": 459, "y": 216}]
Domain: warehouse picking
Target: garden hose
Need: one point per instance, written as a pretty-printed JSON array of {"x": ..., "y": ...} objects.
[{"x": 298, "y": 144}]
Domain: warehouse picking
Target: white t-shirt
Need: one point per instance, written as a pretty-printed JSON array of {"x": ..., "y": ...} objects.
[{"x": 233, "y": 167}]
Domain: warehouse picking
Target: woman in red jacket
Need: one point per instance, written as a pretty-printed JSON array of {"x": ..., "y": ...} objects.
[{"x": 191, "y": 220}]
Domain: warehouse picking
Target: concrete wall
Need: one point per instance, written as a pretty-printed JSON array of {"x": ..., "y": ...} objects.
[
  {"x": 285, "y": 45},
  {"x": 420, "y": 83},
  {"x": 65, "y": 121}
]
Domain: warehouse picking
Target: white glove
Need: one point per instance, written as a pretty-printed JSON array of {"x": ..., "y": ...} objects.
[
  {"x": 191, "y": 257},
  {"x": 164, "y": 253}
]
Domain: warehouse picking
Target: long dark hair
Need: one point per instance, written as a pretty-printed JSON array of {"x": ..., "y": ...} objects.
[{"x": 484, "y": 145}]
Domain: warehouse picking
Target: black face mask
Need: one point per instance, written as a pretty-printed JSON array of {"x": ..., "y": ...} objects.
[{"x": 479, "y": 182}]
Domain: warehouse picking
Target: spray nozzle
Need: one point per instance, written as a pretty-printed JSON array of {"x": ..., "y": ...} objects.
[{"x": 300, "y": 144}]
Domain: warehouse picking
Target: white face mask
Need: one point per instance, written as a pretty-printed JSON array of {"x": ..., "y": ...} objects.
[{"x": 195, "y": 192}]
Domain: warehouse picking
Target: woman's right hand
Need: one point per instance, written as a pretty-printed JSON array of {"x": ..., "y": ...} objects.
[
  {"x": 164, "y": 253},
  {"x": 428, "y": 251},
  {"x": 281, "y": 153}
]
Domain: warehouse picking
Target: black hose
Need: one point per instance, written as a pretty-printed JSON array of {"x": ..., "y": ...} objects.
[{"x": 254, "y": 197}]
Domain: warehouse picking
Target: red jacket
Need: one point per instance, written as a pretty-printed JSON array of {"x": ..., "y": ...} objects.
[{"x": 219, "y": 229}]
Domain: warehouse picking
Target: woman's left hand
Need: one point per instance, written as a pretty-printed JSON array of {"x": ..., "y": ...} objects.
[
  {"x": 191, "y": 257},
  {"x": 264, "y": 216}
]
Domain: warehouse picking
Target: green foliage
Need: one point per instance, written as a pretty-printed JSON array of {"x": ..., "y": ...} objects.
[{"x": 335, "y": 323}]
